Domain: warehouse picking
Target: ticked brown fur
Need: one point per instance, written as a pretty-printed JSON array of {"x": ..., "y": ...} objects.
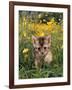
[{"x": 42, "y": 51}]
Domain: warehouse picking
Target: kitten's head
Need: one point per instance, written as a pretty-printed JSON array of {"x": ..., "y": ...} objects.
[{"x": 42, "y": 44}]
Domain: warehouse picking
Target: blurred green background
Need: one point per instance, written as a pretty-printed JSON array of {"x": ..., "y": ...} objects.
[{"x": 40, "y": 24}]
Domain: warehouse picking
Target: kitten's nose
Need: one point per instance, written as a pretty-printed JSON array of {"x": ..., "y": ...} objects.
[{"x": 42, "y": 52}]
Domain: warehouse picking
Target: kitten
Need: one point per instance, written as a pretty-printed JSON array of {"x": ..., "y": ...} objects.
[{"x": 42, "y": 52}]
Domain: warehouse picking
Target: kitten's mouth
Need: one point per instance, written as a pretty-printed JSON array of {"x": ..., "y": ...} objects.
[{"x": 42, "y": 54}]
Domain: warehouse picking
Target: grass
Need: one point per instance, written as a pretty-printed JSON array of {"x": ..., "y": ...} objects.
[
  {"x": 26, "y": 64},
  {"x": 26, "y": 59}
]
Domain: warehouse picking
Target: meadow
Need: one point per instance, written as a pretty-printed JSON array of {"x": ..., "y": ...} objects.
[{"x": 40, "y": 24}]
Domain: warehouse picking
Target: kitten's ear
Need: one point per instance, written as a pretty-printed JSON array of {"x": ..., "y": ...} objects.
[
  {"x": 34, "y": 40},
  {"x": 49, "y": 39}
]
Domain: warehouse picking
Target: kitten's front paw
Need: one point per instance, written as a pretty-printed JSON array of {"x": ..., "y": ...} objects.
[{"x": 48, "y": 58}]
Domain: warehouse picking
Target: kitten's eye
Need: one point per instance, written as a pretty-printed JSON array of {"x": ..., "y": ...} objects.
[
  {"x": 39, "y": 48},
  {"x": 45, "y": 48}
]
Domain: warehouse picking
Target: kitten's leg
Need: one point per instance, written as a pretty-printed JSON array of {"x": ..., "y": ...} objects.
[
  {"x": 48, "y": 57},
  {"x": 37, "y": 63}
]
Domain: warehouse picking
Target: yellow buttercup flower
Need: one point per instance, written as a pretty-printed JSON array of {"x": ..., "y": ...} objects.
[
  {"x": 24, "y": 34},
  {"x": 49, "y": 23},
  {"x": 41, "y": 34},
  {"x": 25, "y": 50}
]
